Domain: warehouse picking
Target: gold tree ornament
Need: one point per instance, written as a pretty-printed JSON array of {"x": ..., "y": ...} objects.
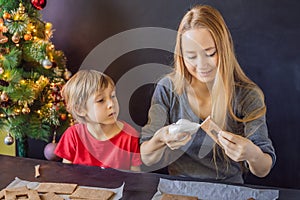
[
  {"x": 3, "y": 39},
  {"x": 48, "y": 26},
  {"x": 27, "y": 36},
  {"x": 21, "y": 9},
  {"x": 47, "y": 64},
  {"x": 16, "y": 38},
  {"x": 63, "y": 116},
  {"x": 6, "y": 15},
  {"x": 3, "y": 29},
  {"x": 4, "y": 97}
]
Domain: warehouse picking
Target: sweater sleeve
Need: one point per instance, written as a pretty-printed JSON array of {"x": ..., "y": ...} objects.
[
  {"x": 158, "y": 115},
  {"x": 257, "y": 130}
]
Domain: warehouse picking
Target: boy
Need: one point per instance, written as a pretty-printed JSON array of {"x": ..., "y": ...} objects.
[{"x": 99, "y": 138}]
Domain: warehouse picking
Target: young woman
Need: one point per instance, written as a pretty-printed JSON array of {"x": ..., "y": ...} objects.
[
  {"x": 99, "y": 138},
  {"x": 207, "y": 81}
]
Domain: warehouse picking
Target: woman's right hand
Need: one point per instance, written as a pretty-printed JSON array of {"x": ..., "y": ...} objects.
[
  {"x": 153, "y": 150},
  {"x": 173, "y": 140}
]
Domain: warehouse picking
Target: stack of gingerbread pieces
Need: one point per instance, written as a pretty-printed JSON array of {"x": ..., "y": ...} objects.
[
  {"x": 19, "y": 192},
  {"x": 53, "y": 191}
]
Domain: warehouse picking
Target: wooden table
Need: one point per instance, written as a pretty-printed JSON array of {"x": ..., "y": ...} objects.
[{"x": 141, "y": 186}]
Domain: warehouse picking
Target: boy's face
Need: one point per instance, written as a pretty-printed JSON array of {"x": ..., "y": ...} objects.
[{"x": 103, "y": 107}]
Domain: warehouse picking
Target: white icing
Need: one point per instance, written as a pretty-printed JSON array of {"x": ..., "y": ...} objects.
[{"x": 184, "y": 126}]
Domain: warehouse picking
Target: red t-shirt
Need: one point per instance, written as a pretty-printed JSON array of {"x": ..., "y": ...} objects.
[{"x": 80, "y": 147}]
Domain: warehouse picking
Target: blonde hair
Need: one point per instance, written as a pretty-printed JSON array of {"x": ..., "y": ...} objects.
[
  {"x": 229, "y": 72},
  {"x": 80, "y": 87}
]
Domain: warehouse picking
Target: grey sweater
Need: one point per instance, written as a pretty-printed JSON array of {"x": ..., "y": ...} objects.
[{"x": 195, "y": 159}]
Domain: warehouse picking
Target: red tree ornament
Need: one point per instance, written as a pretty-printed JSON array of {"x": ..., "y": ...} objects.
[{"x": 39, "y": 4}]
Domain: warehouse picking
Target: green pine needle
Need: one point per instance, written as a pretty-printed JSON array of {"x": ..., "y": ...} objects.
[{"x": 12, "y": 59}]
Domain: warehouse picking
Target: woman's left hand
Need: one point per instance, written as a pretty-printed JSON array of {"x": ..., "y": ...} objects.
[
  {"x": 236, "y": 147},
  {"x": 239, "y": 149}
]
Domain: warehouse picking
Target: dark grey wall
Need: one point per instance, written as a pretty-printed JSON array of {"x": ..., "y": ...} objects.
[{"x": 266, "y": 35}]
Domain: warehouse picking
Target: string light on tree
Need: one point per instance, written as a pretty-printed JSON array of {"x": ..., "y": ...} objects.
[
  {"x": 25, "y": 109},
  {"x": 67, "y": 74}
]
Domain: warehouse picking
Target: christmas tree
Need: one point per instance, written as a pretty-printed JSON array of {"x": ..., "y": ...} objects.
[{"x": 32, "y": 73}]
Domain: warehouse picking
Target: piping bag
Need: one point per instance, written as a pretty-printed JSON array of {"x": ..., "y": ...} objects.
[{"x": 186, "y": 126}]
